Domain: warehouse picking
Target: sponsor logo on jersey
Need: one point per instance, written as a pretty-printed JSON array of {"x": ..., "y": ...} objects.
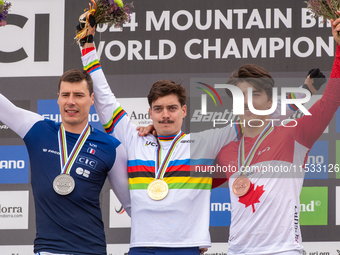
[
  {"x": 51, "y": 151},
  {"x": 296, "y": 224},
  {"x": 151, "y": 143},
  {"x": 83, "y": 172},
  {"x": 13, "y": 209},
  {"x": 314, "y": 206},
  {"x": 14, "y": 164},
  {"x": 86, "y": 161},
  {"x": 220, "y": 207},
  {"x": 266, "y": 149},
  {"x": 187, "y": 141},
  {"x": 41, "y": 52},
  {"x": 91, "y": 151}
]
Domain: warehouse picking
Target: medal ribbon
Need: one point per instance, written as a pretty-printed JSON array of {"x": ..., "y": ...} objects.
[
  {"x": 244, "y": 163},
  {"x": 161, "y": 168},
  {"x": 66, "y": 162}
]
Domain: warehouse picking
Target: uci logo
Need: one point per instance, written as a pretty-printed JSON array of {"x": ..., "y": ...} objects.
[
  {"x": 151, "y": 143},
  {"x": 33, "y": 42}
]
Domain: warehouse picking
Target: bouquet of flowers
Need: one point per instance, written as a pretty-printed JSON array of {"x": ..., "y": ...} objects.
[
  {"x": 324, "y": 8},
  {"x": 4, "y": 8},
  {"x": 113, "y": 12}
]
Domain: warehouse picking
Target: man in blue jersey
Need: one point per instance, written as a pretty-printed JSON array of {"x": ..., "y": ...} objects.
[{"x": 69, "y": 165}]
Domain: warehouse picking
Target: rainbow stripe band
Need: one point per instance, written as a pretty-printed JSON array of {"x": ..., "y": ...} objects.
[
  {"x": 178, "y": 174},
  {"x": 246, "y": 162},
  {"x": 92, "y": 66},
  {"x": 239, "y": 129},
  {"x": 118, "y": 114},
  {"x": 66, "y": 162},
  {"x": 292, "y": 106},
  {"x": 173, "y": 183},
  {"x": 166, "y": 138},
  {"x": 62, "y": 146},
  {"x": 161, "y": 168}
]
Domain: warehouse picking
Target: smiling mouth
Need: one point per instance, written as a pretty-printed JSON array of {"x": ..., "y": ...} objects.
[{"x": 71, "y": 111}]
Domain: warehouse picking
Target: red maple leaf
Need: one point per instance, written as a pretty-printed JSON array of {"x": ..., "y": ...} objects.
[{"x": 252, "y": 196}]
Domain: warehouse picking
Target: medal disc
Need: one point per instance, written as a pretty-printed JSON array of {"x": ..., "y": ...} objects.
[
  {"x": 158, "y": 189},
  {"x": 241, "y": 186},
  {"x": 63, "y": 184}
]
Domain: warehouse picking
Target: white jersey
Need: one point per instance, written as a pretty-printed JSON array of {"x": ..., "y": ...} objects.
[{"x": 182, "y": 218}]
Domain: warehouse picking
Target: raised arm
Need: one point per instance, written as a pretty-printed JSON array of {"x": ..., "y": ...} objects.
[
  {"x": 310, "y": 127},
  {"x": 314, "y": 80},
  {"x": 111, "y": 115},
  {"x": 17, "y": 119}
]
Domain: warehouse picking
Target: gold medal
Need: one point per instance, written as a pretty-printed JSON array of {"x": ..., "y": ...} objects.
[
  {"x": 241, "y": 186},
  {"x": 158, "y": 189}
]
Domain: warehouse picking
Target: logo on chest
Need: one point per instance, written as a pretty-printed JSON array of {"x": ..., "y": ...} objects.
[
  {"x": 151, "y": 143},
  {"x": 86, "y": 162},
  {"x": 263, "y": 151}
]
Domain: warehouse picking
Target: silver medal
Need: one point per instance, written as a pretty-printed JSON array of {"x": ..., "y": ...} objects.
[{"x": 63, "y": 184}]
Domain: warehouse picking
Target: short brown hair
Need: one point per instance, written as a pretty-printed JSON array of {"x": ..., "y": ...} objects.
[
  {"x": 256, "y": 76},
  {"x": 163, "y": 88},
  {"x": 77, "y": 75}
]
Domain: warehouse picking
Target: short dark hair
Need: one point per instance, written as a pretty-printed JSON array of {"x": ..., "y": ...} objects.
[
  {"x": 163, "y": 88},
  {"x": 257, "y": 76},
  {"x": 77, "y": 75}
]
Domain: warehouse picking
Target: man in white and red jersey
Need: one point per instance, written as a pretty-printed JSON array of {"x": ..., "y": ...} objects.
[
  {"x": 266, "y": 165},
  {"x": 175, "y": 221}
]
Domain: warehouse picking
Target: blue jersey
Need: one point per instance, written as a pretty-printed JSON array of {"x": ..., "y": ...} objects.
[{"x": 71, "y": 223}]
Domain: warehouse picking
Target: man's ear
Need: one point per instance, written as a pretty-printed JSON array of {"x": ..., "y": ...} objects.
[
  {"x": 184, "y": 109},
  {"x": 92, "y": 99},
  {"x": 150, "y": 113},
  {"x": 270, "y": 103}
]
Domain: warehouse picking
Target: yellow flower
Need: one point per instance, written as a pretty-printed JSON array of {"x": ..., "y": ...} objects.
[{"x": 118, "y": 2}]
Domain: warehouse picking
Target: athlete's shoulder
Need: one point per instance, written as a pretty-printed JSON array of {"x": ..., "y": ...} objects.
[
  {"x": 43, "y": 124},
  {"x": 104, "y": 138}
]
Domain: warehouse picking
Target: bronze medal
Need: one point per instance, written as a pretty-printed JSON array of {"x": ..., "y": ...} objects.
[
  {"x": 158, "y": 189},
  {"x": 241, "y": 186}
]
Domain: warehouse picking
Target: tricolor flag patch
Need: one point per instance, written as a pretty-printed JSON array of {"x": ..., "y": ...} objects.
[{"x": 91, "y": 151}]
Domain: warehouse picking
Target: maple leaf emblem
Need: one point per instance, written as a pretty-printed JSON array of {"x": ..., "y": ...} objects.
[{"x": 252, "y": 197}]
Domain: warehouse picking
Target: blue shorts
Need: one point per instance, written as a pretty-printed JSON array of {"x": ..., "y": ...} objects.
[{"x": 164, "y": 251}]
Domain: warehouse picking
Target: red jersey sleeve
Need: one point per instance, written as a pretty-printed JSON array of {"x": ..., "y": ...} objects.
[{"x": 310, "y": 127}]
